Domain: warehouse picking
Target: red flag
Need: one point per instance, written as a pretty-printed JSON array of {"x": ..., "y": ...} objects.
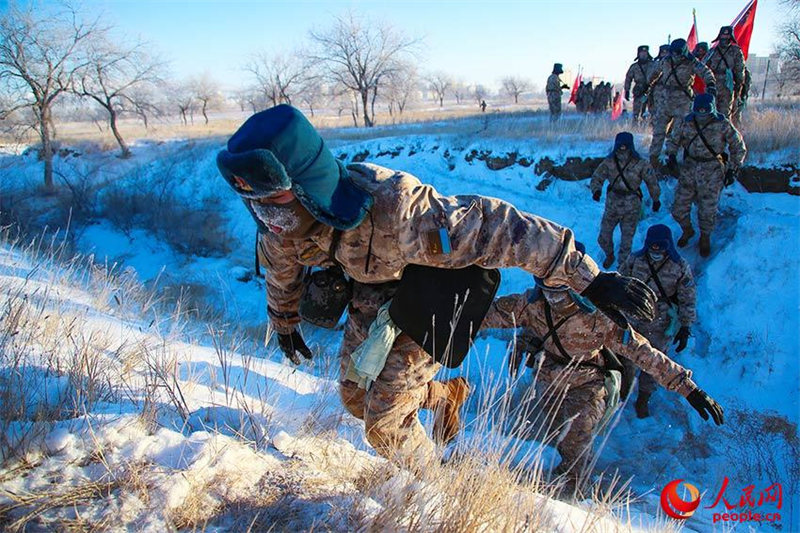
[
  {"x": 616, "y": 107},
  {"x": 691, "y": 40},
  {"x": 574, "y": 92},
  {"x": 743, "y": 26}
]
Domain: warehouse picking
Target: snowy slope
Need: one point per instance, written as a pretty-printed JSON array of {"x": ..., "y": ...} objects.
[{"x": 744, "y": 349}]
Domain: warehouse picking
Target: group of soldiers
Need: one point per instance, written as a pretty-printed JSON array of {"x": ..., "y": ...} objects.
[
  {"x": 590, "y": 99},
  {"x": 375, "y": 226}
]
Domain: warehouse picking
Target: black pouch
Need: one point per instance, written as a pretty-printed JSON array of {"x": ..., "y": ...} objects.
[
  {"x": 626, "y": 371},
  {"x": 442, "y": 309},
  {"x": 326, "y": 294}
]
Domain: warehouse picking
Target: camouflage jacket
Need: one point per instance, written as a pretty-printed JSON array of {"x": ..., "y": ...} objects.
[
  {"x": 720, "y": 61},
  {"x": 721, "y": 135},
  {"x": 677, "y": 281},
  {"x": 411, "y": 223},
  {"x": 554, "y": 84},
  {"x": 582, "y": 336},
  {"x": 678, "y": 76},
  {"x": 638, "y": 73},
  {"x": 635, "y": 171}
]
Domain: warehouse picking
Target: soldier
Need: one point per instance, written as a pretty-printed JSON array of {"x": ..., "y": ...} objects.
[
  {"x": 704, "y": 135},
  {"x": 372, "y": 222},
  {"x": 669, "y": 275},
  {"x": 675, "y": 75},
  {"x": 625, "y": 171},
  {"x": 726, "y": 61},
  {"x": 564, "y": 339},
  {"x": 553, "y": 90},
  {"x": 700, "y": 50},
  {"x": 638, "y": 76},
  {"x": 655, "y": 95}
]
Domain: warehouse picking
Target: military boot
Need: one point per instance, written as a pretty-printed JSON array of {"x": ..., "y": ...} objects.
[
  {"x": 688, "y": 233},
  {"x": 609, "y": 261},
  {"x": 446, "y": 404},
  {"x": 705, "y": 244},
  {"x": 642, "y": 411}
]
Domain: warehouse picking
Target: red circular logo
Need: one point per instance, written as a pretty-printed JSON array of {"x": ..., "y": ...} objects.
[{"x": 674, "y": 505}]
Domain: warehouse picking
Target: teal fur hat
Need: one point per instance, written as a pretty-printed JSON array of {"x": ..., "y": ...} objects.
[{"x": 279, "y": 150}]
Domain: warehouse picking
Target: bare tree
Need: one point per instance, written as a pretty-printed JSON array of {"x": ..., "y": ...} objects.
[
  {"x": 514, "y": 86},
  {"x": 112, "y": 76},
  {"x": 39, "y": 58},
  {"x": 439, "y": 83},
  {"x": 279, "y": 76},
  {"x": 206, "y": 91},
  {"x": 402, "y": 87},
  {"x": 361, "y": 55},
  {"x": 479, "y": 93},
  {"x": 460, "y": 91},
  {"x": 182, "y": 96}
]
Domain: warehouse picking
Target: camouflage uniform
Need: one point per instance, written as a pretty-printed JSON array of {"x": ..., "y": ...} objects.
[
  {"x": 579, "y": 387},
  {"x": 403, "y": 228},
  {"x": 553, "y": 90},
  {"x": 678, "y": 283},
  {"x": 623, "y": 204},
  {"x": 638, "y": 75},
  {"x": 675, "y": 79},
  {"x": 702, "y": 173},
  {"x": 729, "y": 86}
]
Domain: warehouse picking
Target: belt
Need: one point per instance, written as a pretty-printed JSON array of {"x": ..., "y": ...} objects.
[
  {"x": 703, "y": 159},
  {"x": 624, "y": 193}
]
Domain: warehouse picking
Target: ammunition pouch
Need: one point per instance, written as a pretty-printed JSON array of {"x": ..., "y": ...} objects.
[
  {"x": 326, "y": 294},
  {"x": 627, "y": 372},
  {"x": 442, "y": 309}
]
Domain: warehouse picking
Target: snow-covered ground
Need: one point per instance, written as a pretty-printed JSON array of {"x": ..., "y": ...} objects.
[{"x": 744, "y": 350}]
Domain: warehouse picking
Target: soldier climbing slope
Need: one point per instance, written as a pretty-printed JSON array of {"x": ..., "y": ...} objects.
[
  {"x": 637, "y": 76},
  {"x": 726, "y": 61},
  {"x": 713, "y": 153},
  {"x": 377, "y": 226},
  {"x": 625, "y": 170}
]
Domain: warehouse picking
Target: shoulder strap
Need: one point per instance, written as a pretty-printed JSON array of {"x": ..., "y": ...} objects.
[
  {"x": 553, "y": 332},
  {"x": 654, "y": 276},
  {"x": 258, "y": 263},
  {"x": 703, "y": 137},
  {"x": 621, "y": 175},
  {"x": 335, "y": 238},
  {"x": 674, "y": 74}
]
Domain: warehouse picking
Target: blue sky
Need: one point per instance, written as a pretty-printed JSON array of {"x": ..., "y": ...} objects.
[{"x": 478, "y": 42}]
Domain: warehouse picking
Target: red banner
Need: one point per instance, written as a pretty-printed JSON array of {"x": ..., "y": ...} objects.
[
  {"x": 616, "y": 107},
  {"x": 574, "y": 92},
  {"x": 743, "y": 26}
]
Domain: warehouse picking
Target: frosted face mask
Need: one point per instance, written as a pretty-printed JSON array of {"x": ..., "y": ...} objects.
[
  {"x": 656, "y": 253},
  {"x": 290, "y": 220}
]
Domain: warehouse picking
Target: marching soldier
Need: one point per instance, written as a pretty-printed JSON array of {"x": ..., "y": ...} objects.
[
  {"x": 638, "y": 76},
  {"x": 726, "y": 61}
]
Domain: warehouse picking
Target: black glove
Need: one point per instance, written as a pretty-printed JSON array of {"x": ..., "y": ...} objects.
[
  {"x": 291, "y": 343},
  {"x": 596, "y": 195},
  {"x": 614, "y": 294},
  {"x": 627, "y": 96},
  {"x": 672, "y": 165},
  {"x": 712, "y": 90},
  {"x": 527, "y": 346},
  {"x": 656, "y": 206},
  {"x": 705, "y": 405},
  {"x": 730, "y": 176},
  {"x": 681, "y": 338},
  {"x": 565, "y": 86}
]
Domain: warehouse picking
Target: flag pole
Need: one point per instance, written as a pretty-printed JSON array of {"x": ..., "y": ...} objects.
[{"x": 694, "y": 21}]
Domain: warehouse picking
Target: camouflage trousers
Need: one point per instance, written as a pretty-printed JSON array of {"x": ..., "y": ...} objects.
[
  {"x": 700, "y": 183},
  {"x": 724, "y": 101},
  {"x": 389, "y": 408},
  {"x": 639, "y": 107},
  {"x": 656, "y": 333},
  {"x": 570, "y": 403},
  {"x": 625, "y": 212},
  {"x": 666, "y": 121},
  {"x": 554, "y": 103}
]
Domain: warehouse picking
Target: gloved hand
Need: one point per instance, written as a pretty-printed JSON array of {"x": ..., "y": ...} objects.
[
  {"x": 656, "y": 206},
  {"x": 672, "y": 165},
  {"x": 712, "y": 90},
  {"x": 614, "y": 294},
  {"x": 527, "y": 346},
  {"x": 596, "y": 195},
  {"x": 681, "y": 338},
  {"x": 731, "y": 175},
  {"x": 291, "y": 343},
  {"x": 628, "y": 96},
  {"x": 705, "y": 405}
]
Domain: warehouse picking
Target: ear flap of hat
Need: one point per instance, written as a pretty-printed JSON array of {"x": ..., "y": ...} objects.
[{"x": 254, "y": 173}]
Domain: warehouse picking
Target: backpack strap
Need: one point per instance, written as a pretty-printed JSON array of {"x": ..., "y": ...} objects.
[
  {"x": 703, "y": 138},
  {"x": 674, "y": 74},
  {"x": 621, "y": 175},
  {"x": 671, "y": 300}
]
